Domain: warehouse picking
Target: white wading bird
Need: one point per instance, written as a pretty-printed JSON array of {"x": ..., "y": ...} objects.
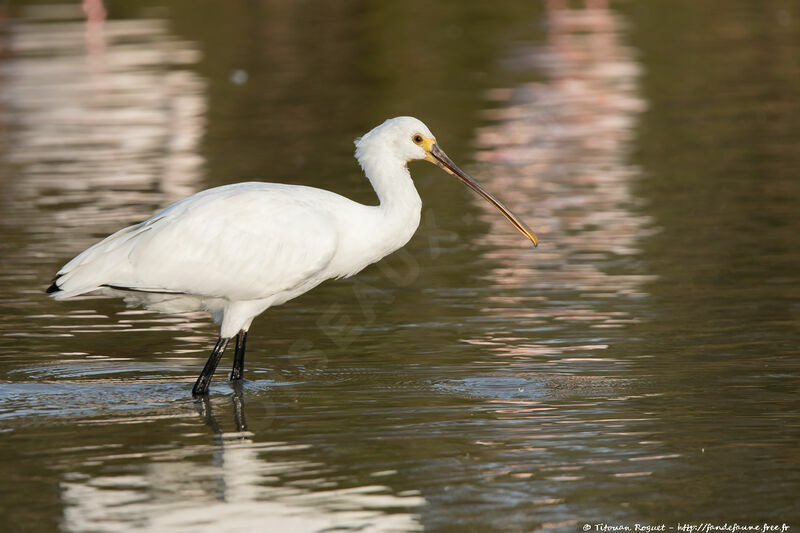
[{"x": 239, "y": 249}]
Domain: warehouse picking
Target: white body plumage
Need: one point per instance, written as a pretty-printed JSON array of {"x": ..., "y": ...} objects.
[{"x": 239, "y": 249}]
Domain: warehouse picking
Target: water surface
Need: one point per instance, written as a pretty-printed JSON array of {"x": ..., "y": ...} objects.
[{"x": 641, "y": 365}]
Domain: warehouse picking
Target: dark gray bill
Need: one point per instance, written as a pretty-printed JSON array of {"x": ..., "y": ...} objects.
[{"x": 441, "y": 159}]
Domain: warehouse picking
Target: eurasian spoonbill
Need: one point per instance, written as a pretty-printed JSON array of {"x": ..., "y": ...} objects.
[{"x": 239, "y": 249}]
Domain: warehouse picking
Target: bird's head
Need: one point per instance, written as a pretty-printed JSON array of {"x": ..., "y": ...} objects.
[{"x": 409, "y": 139}]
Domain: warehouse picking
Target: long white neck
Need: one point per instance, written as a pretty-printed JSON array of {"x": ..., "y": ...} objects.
[
  {"x": 400, "y": 205},
  {"x": 390, "y": 179}
]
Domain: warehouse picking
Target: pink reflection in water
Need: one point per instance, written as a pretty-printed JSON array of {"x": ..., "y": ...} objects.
[
  {"x": 107, "y": 120},
  {"x": 559, "y": 152},
  {"x": 109, "y": 143},
  {"x": 96, "y": 14}
]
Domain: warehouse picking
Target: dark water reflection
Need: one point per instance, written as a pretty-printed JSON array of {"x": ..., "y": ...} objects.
[{"x": 640, "y": 365}]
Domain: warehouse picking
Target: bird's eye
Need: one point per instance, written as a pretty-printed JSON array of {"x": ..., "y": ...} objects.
[{"x": 417, "y": 139}]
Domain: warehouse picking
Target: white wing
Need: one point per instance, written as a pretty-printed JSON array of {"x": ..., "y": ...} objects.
[{"x": 241, "y": 242}]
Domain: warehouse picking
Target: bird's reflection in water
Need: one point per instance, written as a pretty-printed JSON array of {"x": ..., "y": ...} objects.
[
  {"x": 206, "y": 410},
  {"x": 226, "y": 415},
  {"x": 244, "y": 476}
]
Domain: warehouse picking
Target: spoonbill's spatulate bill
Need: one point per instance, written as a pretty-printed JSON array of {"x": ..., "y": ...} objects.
[{"x": 237, "y": 250}]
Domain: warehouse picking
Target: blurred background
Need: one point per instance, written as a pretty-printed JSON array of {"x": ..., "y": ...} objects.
[{"x": 640, "y": 366}]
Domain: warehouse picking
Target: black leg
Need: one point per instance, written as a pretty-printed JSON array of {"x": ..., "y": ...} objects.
[
  {"x": 238, "y": 359},
  {"x": 204, "y": 379}
]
